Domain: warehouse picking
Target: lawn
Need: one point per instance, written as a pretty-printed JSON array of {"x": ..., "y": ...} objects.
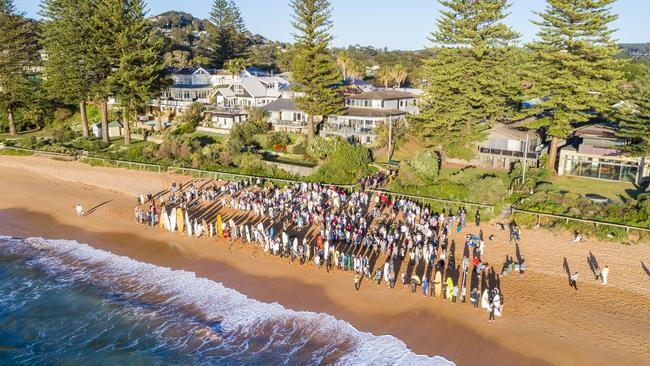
[
  {"x": 610, "y": 189},
  {"x": 119, "y": 141},
  {"x": 27, "y": 134}
]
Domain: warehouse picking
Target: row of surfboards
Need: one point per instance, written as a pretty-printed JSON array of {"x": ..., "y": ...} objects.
[{"x": 178, "y": 220}]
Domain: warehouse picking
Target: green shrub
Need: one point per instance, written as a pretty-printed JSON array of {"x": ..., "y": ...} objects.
[
  {"x": 427, "y": 164},
  {"x": 345, "y": 165},
  {"x": 63, "y": 134},
  {"x": 546, "y": 187},
  {"x": 279, "y": 138}
]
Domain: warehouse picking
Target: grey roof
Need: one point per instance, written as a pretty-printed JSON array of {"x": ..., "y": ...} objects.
[
  {"x": 226, "y": 92},
  {"x": 518, "y": 133},
  {"x": 281, "y": 104},
  {"x": 372, "y": 112},
  {"x": 383, "y": 95}
]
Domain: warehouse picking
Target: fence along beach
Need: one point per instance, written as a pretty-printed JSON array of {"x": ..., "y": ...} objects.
[{"x": 528, "y": 331}]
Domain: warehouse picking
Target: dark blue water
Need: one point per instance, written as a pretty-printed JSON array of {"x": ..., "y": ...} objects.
[{"x": 65, "y": 303}]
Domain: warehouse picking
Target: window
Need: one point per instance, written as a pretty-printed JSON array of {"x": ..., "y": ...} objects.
[
  {"x": 297, "y": 117},
  {"x": 238, "y": 88},
  {"x": 401, "y": 103}
]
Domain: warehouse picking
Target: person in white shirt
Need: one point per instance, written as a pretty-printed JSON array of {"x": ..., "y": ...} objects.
[
  {"x": 603, "y": 274},
  {"x": 79, "y": 209}
]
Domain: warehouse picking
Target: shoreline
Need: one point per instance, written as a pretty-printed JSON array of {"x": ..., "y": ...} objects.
[{"x": 39, "y": 205}]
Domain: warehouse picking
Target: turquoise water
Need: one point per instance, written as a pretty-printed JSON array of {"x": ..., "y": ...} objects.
[{"x": 65, "y": 303}]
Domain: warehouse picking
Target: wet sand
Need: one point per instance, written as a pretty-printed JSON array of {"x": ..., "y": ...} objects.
[{"x": 545, "y": 321}]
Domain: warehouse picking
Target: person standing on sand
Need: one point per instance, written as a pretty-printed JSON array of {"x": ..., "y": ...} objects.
[
  {"x": 357, "y": 282},
  {"x": 603, "y": 274},
  {"x": 79, "y": 210},
  {"x": 491, "y": 310},
  {"x": 474, "y": 297},
  {"x": 573, "y": 280},
  {"x": 425, "y": 286}
]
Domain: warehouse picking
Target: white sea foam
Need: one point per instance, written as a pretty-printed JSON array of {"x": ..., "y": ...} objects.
[{"x": 319, "y": 334}]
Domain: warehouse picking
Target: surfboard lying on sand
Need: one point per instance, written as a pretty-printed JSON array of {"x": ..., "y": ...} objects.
[
  {"x": 438, "y": 284},
  {"x": 180, "y": 220}
]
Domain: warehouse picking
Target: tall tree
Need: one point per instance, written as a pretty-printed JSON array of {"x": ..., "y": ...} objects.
[
  {"x": 399, "y": 74},
  {"x": 384, "y": 75},
  {"x": 576, "y": 75},
  {"x": 343, "y": 61},
  {"x": 140, "y": 72},
  {"x": 634, "y": 116},
  {"x": 229, "y": 37},
  {"x": 107, "y": 22},
  {"x": 356, "y": 70},
  {"x": 235, "y": 66},
  {"x": 67, "y": 76},
  {"x": 470, "y": 76},
  {"x": 17, "y": 52},
  {"x": 314, "y": 69}
]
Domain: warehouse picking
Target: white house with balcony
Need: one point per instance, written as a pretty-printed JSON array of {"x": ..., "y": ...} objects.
[
  {"x": 250, "y": 92},
  {"x": 365, "y": 111},
  {"x": 285, "y": 116}
]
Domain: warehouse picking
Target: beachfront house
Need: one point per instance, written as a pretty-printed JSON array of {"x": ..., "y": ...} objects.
[
  {"x": 507, "y": 144},
  {"x": 365, "y": 111},
  {"x": 250, "y": 92},
  {"x": 594, "y": 152},
  {"x": 225, "y": 96},
  {"x": 285, "y": 116}
]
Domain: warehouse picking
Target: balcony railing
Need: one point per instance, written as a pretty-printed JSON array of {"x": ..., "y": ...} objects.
[
  {"x": 516, "y": 154},
  {"x": 347, "y": 129},
  {"x": 221, "y": 109},
  {"x": 292, "y": 124}
]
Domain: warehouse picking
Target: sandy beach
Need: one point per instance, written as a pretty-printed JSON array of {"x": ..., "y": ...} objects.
[{"x": 545, "y": 320}]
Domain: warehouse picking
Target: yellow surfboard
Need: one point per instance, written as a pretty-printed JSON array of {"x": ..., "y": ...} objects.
[
  {"x": 219, "y": 226},
  {"x": 160, "y": 217},
  {"x": 180, "y": 219},
  {"x": 450, "y": 287}
]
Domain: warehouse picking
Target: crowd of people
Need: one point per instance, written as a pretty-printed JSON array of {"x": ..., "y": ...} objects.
[{"x": 372, "y": 235}]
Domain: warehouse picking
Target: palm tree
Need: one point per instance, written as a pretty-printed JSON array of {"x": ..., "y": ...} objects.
[
  {"x": 399, "y": 74},
  {"x": 343, "y": 61},
  {"x": 384, "y": 76},
  {"x": 235, "y": 66},
  {"x": 356, "y": 70}
]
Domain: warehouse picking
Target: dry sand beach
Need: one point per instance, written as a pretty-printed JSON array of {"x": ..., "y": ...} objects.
[{"x": 545, "y": 321}]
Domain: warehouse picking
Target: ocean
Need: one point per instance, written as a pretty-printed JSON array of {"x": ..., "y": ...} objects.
[{"x": 66, "y": 303}]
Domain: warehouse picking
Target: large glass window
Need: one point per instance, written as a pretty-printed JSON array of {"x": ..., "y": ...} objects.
[{"x": 601, "y": 168}]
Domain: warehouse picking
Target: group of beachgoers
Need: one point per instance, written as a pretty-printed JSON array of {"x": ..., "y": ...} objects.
[{"x": 370, "y": 234}]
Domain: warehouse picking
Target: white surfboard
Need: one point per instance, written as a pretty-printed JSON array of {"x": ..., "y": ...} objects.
[
  {"x": 211, "y": 230},
  {"x": 198, "y": 229},
  {"x": 485, "y": 300},
  {"x": 172, "y": 220},
  {"x": 188, "y": 224},
  {"x": 165, "y": 219}
]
